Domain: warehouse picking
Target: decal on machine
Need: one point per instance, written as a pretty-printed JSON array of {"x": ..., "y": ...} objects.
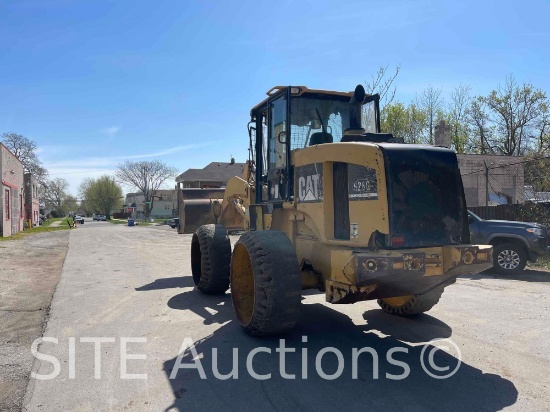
[
  {"x": 309, "y": 183},
  {"x": 362, "y": 183}
]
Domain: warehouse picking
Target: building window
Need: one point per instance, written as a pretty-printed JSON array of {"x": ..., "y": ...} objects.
[{"x": 7, "y": 203}]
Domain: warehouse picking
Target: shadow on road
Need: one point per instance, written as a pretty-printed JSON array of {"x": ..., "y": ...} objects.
[
  {"x": 468, "y": 389},
  {"x": 420, "y": 328},
  {"x": 212, "y": 308},
  {"x": 168, "y": 283},
  {"x": 527, "y": 275}
]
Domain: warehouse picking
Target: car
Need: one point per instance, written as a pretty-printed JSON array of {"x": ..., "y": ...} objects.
[
  {"x": 79, "y": 219},
  {"x": 102, "y": 218},
  {"x": 174, "y": 222},
  {"x": 514, "y": 243}
]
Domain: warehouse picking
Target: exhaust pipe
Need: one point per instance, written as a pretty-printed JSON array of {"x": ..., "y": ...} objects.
[{"x": 355, "y": 107}]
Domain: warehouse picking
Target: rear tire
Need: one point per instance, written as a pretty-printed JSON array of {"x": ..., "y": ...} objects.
[
  {"x": 265, "y": 283},
  {"x": 509, "y": 258},
  {"x": 412, "y": 304},
  {"x": 210, "y": 259}
]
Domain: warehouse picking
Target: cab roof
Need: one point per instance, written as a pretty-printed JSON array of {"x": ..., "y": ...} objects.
[{"x": 297, "y": 91}]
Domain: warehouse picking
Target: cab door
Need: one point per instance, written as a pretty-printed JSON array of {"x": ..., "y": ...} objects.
[{"x": 277, "y": 159}]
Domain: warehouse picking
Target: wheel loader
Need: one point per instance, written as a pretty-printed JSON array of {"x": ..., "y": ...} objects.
[{"x": 328, "y": 202}]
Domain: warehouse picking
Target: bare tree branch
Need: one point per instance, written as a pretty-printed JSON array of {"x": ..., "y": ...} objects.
[{"x": 147, "y": 177}]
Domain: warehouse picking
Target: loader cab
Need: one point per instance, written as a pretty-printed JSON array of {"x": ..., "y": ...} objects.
[{"x": 295, "y": 117}]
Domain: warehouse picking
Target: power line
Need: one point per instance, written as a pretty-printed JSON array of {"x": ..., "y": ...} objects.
[{"x": 506, "y": 165}]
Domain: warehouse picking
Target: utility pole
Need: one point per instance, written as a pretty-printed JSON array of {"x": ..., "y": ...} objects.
[{"x": 486, "y": 183}]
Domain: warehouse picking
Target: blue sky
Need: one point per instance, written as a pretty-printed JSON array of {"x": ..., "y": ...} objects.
[{"x": 98, "y": 82}]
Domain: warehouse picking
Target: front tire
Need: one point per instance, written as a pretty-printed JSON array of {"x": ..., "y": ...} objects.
[
  {"x": 509, "y": 258},
  {"x": 412, "y": 304},
  {"x": 210, "y": 259},
  {"x": 265, "y": 283}
]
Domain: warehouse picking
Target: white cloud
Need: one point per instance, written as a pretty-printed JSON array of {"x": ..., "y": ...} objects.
[
  {"x": 111, "y": 131},
  {"x": 168, "y": 151},
  {"x": 76, "y": 169}
]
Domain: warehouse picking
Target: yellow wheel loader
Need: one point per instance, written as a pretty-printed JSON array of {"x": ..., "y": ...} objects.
[{"x": 330, "y": 203}]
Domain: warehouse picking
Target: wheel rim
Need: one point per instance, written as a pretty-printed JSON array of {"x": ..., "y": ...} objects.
[
  {"x": 508, "y": 259},
  {"x": 242, "y": 284},
  {"x": 398, "y": 300}
]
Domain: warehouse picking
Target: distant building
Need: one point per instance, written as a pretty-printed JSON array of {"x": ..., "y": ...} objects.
[
  {"x": 489, "y": 180},
  {"x": 13, "y": 192},
  {"x": 216, "y": 174},
  {"x": 32, "y": 205},
  {"x": 164, "y": 204}
]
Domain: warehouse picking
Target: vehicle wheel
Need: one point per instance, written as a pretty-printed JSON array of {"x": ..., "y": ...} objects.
[
  {"x": 265, "y": 283},
  {"x": 210, "y": 259},
  {"x": 411, "y": 304},
  {"x": 509, "y": 258}
]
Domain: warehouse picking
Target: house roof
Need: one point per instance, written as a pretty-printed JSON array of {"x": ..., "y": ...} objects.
[{"x": 214, "y": 172}]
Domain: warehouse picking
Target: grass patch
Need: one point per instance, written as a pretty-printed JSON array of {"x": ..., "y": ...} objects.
[
  {"x": 139, "y": 222},
  {"x": 53, "y": 219},
  {"x": 38, "y": 229},
  {"x": 118, "y": 221},
  {"x": 541, "y": 263}
]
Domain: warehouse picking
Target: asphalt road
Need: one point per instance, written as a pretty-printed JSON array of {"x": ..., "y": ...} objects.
[{"x": 135, "y": 282}]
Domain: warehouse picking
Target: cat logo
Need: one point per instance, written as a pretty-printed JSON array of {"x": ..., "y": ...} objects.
[
  {"x": 309, "y": 183},
  {"x": 308, "y": 188}
]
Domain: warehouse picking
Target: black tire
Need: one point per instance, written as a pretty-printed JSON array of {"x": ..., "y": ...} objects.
[
  {"x": 411, "y": 305},
  {"x": 210, "y": 259},
  {"x": 265, "y": 283},
  {"x": 509, "y": 258}
]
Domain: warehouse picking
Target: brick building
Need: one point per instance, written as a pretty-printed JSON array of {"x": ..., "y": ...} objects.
[
  {"x": 32, "y": 205},
  {"x": 13, "y": 192}
]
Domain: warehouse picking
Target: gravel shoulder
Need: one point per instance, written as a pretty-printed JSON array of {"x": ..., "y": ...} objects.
[{"x": 29, "y": 272}]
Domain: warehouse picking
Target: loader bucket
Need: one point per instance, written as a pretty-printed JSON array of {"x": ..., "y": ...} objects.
[
  {"x": 197, "y": 212},
  {"x": 216, "y": 193}
]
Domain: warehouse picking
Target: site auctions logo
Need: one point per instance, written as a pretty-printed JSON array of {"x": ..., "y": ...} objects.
[{"x": 189, "y": 358}]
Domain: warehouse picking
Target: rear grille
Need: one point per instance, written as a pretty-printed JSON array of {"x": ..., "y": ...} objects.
[{"x": 341, "y": 201}]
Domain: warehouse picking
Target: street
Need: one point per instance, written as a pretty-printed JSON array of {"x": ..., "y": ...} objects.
[{"x": 132, "y": 287}]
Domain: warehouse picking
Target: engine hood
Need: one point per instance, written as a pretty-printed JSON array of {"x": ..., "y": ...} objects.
[{"x": 511, "y": 223}]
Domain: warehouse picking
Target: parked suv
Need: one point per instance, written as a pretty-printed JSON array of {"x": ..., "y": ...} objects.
[
  {"x": 514, "y": 243},
  {"x": 79, "y": 219}
]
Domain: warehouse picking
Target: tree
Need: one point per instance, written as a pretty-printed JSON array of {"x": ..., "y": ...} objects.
[
  {"x": 25, "y": 150},
  {"x": 382, "y": 83},
  {"x": 395, "y": 120},
  {"x": 430, "y": 102},
  {"x": 147, "y": 177},
  {"x": 481, "y": 131},
  {"x": 101, "y": 195},
  {"x": 406, "y": 122},
  {"x": 457, "y": 113},
  {"x": 54, "y": 193},
  {"x": 70, "y": 204},
  {"x": 515, "y": 112},
  {"x": 537, "y": 172},
  {"x": 416, "y": 124}
]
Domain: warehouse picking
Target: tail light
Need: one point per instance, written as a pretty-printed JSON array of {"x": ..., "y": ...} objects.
[{"x": 397, "y": 241}]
